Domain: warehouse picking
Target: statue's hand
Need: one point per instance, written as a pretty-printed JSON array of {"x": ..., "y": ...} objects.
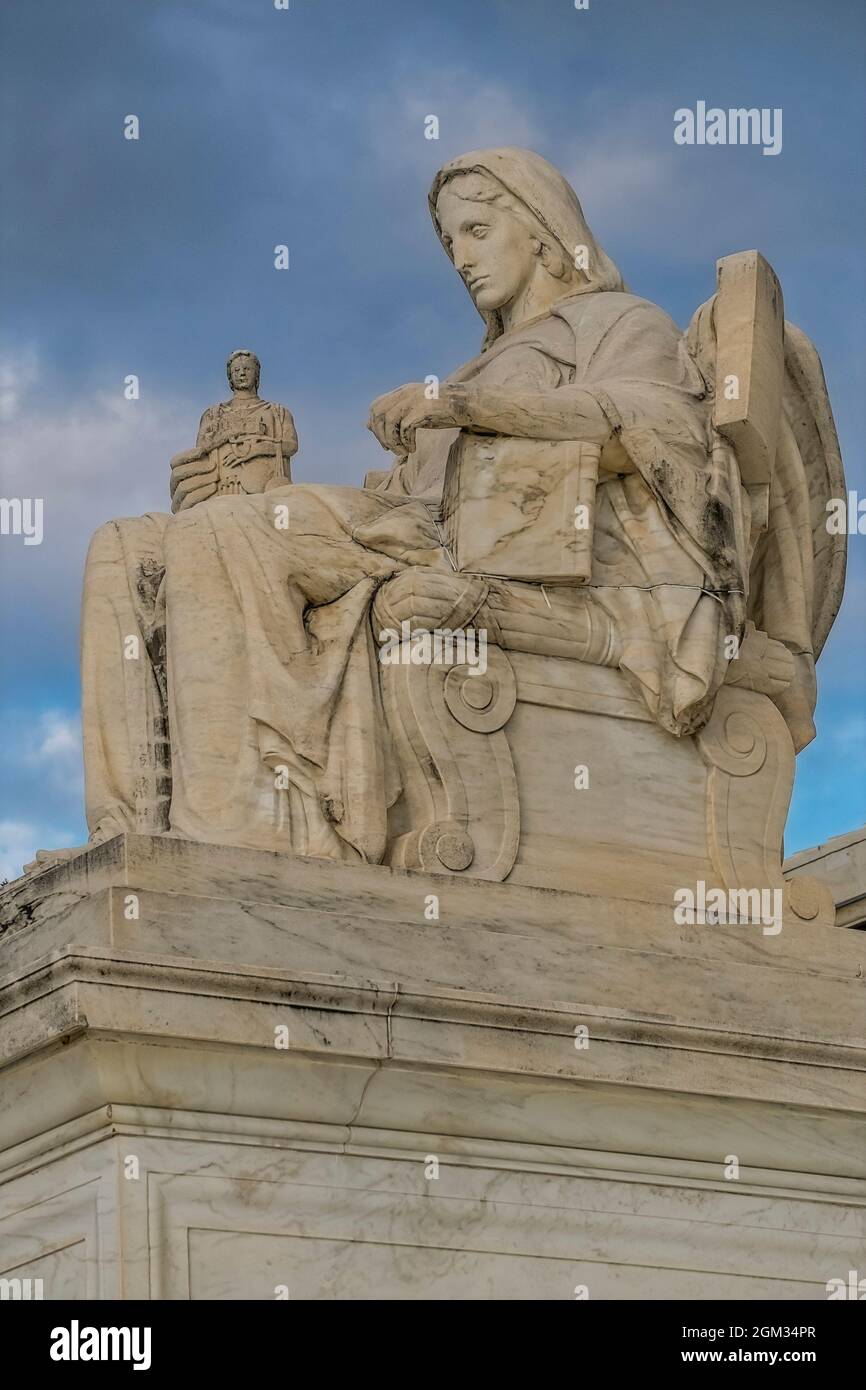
[
  {"x": 762, "y": 664},
  {"x": 194, "y": 478},
  {"x": 395, "y": 417}
]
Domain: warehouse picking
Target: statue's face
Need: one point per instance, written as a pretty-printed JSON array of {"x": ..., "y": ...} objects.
[
  {"x": 491, "y": 249},
  {"x": 242, "y": 373}
]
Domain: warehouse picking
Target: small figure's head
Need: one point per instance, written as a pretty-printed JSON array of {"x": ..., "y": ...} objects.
[{"x": 243, "y": 369}]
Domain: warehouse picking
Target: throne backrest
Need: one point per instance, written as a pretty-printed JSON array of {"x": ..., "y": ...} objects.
[
  {"x": 749, "y": 322},
  {"x": 738, "y": 340}
]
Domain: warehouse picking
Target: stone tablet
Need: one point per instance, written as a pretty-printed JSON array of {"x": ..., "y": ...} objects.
[{"x": 521, "y": 508}]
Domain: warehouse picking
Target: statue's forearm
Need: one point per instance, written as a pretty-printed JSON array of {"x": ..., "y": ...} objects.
[
  {"x": 263, "y": 444},
  {"x": 565, "y": 413}
]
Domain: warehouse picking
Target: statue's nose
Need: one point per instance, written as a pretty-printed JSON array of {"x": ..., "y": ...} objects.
[{"x": 463, "y": 261}]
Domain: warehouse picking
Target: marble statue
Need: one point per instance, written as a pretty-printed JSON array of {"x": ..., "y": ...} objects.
[
  {"x": 632, "y": 544},
  {"x": 562, "y": 644},
  {"x": 243, "y": 445}
]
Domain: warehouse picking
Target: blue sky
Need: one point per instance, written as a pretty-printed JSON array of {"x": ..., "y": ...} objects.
[{"x": 306, "y": 127}]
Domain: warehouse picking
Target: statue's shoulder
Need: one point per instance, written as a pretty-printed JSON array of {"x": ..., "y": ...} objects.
[
  {"x": 283, "y": 424},
  {"x": 284, "y": 419},
  {"x": 605, "y": 308}
]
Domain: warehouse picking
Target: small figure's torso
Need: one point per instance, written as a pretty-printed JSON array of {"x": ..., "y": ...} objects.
[{"x": 253, "y": 441}]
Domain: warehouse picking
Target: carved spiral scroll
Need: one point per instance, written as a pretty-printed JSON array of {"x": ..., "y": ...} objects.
[
  {"x": 482, "y": 702},
  {"x": 459, "y": 808},
  {"x": 739, "y": 748},
  {"x": 746, "y": 736}
]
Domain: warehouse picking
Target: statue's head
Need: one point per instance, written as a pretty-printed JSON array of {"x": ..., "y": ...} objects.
[
  {"x": 243, "y": 369},
  {"x": 496, "y": 244},
  {"x": 510, "y": 223}
]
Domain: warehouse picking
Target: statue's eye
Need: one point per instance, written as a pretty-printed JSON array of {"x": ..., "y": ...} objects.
[{"x": 479, "y": 230}]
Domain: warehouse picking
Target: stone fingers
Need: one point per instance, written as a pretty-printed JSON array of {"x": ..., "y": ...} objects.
[
  {"x": 192, "y": 491},
  {"x": 386, "y": 414},
  {"x": 192, "y": 481}
]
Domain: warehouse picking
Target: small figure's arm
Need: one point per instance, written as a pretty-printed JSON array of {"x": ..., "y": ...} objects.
[
  {"x": 194, "y": 475},
  {"x": 288, "y": 433}
]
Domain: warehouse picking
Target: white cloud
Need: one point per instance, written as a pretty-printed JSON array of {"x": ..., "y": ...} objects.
[
  {"x": 616, "y": 179},
  {"x": 685, "y": 204},
  {"x": 51, "y": 747},
  {"x": 58, "y": 738},
  {"x": 89, "y": 461},
  {"x": 19, "y": 372},
  {"x": 637, "y": 189},
  {"x": 41, "y": 768},
  {"x": 629, "y": 186},
  {"x": 19, "y": 841},
  {"x": 472, "y": 114}
]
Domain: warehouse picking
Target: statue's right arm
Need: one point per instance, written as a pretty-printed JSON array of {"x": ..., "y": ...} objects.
[
  {"x": 204, "y": 437},
  {"x": 194, "y": 472},
  {"x": 194, "y": 478}
]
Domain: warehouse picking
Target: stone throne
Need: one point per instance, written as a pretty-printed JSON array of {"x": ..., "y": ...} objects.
[{"x": 491, "y": 763}]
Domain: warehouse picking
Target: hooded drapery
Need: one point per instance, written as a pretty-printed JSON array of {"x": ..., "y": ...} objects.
[
  {"x": 540, "y": 187},
  {"x": 671, "y": 557}
]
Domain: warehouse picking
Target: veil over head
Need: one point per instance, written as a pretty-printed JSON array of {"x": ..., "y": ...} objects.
[{"x": 551, "y": 200}]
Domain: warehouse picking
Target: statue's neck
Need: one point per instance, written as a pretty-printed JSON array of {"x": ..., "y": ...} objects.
[
  {"x": 245, "y": 396},
  {"x": 540, "y": 294}
]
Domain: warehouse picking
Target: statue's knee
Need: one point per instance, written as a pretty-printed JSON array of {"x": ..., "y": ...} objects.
[
  {"x": 103, "y": 541},
  {"x": 180, "y": 535},
  {"x": 107, "y": 541}
]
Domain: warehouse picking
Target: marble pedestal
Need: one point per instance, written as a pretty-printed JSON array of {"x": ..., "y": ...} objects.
[{"x": 532, "y": 1095}]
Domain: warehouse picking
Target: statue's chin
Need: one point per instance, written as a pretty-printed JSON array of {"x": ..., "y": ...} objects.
[{"x": 488, "y": 301}]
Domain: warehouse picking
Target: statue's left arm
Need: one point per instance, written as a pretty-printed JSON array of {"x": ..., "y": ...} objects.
[
  {"x": 566, "y": 412},
  {"x": 286, "y": 431},
  {"x": 631, "y": 372},
  {"x": 569, "y": 412}
]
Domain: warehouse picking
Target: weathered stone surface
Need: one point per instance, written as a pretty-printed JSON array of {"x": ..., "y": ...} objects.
[
  {"x": 840, "y": 865},
  {"x": 153, "y": 1038},
  {"x": 521, "y": 509}
]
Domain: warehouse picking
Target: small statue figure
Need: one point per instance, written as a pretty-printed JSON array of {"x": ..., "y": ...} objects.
[{"x": 243, "y": 445}]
